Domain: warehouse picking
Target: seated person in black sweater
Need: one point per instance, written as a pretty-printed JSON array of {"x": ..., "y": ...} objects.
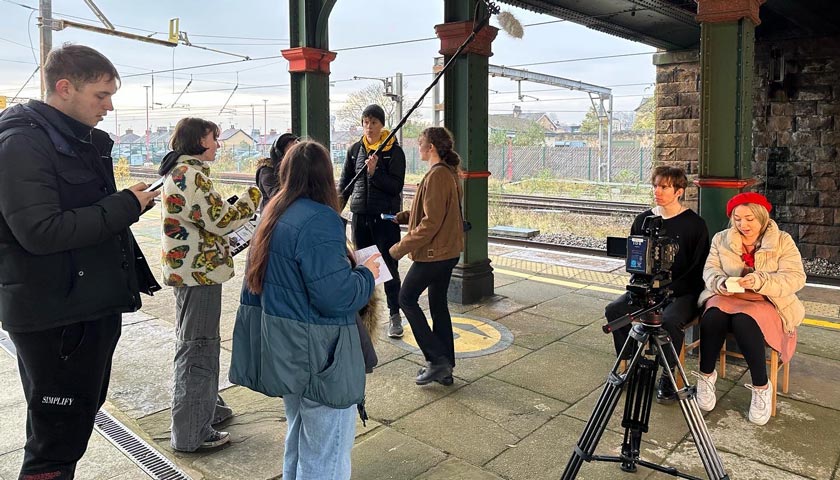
[{"x": 690, "y": 232}]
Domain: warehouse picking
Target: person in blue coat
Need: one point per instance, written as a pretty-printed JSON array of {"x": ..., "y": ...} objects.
[{"x": 295, "y": 334}]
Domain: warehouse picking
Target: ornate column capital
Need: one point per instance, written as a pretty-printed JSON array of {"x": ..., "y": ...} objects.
[
  {"x": 453, "y": 34},
  {"x": 718, "y": 11},
  {"x": 307, "y": 59}
]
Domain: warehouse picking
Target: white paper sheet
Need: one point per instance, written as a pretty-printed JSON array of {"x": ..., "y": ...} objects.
[
  {"x": 365, "y": 253},
  {"x": 732, "y": 285},
  {"x": 241, "y": 237}
]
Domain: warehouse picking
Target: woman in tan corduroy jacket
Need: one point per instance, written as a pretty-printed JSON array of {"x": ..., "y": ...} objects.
[{"x": 434, "y": 242}]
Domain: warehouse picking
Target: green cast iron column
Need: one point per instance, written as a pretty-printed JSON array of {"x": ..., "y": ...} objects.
[
  {"x": 466, "y": 116},
  {"x": 726, "y": 76},
  {"x": 310, "y": 91}
]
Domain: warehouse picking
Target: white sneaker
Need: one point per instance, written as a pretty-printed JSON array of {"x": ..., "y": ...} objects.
[
  {"x": 761, "y": 404},
  {"x": 706, "y": 398}
]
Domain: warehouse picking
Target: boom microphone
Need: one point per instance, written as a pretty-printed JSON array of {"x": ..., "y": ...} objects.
[
  {"x": 510, "y": 25},
  {"x": 507, "y": 22}
]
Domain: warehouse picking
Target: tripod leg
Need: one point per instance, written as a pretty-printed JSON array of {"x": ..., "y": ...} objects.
[
  {"x": 637, "y": 411},
  {"x": 693, "y": 417},
  {"x": 603, "y": 410}
]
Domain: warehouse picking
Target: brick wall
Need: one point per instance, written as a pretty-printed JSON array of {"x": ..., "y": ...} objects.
[
  {"x": 796, "y": 138},
  {"x": 677, "y": 136},
  {"x": 795, "y": 135}
]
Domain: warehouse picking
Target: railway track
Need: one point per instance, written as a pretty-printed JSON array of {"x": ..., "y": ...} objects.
[
  {"x": 592, "y": 207},
  {"x": 525, "y": 202}
]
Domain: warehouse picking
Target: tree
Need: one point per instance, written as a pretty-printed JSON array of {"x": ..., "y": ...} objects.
[
  {"x": 351, "y": 113},
  {"x": 534, "y": 135},
  {"x": 412, "y": 128},
  {"x": 590, "y": 122},
  {"x": 645, "y": 117},
  {"x": 497, "y": 137}
]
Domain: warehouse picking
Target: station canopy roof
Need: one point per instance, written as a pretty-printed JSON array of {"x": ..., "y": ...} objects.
[{"x": 670, "y": 24}]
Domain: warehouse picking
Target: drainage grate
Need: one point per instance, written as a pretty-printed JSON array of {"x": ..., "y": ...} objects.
[
  {"x": 150, "y": 460},
  {"x": 146, "y": 457}
]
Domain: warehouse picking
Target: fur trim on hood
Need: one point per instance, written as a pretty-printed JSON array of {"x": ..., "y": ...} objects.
[{"x": 373, "y": 315}]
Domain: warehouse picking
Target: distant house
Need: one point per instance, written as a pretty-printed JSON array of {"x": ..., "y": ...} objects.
[
  {"x": 508, "y": 123},
  {"x": 541, "y": 118},
  {"x": 517, "y": 122},
  {"x": 236, "y": 139},
  {"x": 341, "y": 140},
  {"x": 130, "y": 146}
]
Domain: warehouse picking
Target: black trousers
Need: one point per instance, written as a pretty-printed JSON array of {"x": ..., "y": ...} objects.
[
  {"x": 714, "y": 327},
  {"x": 372, "y": 230},
  {"x": 437, "y": 342},
  {"x": 675, "y": 316},
  {"x": 65, "y": 373}
]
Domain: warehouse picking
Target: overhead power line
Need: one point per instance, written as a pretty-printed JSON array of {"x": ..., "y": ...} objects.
[{"x": 582, "y": 59}]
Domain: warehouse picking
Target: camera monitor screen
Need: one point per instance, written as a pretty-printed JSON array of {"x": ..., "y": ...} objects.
[{"x": 637, "y": 254}]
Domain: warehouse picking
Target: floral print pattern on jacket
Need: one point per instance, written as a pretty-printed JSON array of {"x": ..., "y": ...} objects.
[{"x": 196, "y": 222}]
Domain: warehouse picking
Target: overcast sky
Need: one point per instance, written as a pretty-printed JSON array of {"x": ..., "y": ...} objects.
[{"x": 260, "y": 28}]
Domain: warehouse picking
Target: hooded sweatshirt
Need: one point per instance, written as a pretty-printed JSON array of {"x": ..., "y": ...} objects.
[{"x": 196, "y": 222}]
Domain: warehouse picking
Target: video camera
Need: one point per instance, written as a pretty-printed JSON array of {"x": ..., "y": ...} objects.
[{"x": 649, "y": 258}]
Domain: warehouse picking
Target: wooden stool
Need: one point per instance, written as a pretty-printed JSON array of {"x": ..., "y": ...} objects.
[
  {"x": 772, "y": 362},
  {"x": 688, "y": 346}
]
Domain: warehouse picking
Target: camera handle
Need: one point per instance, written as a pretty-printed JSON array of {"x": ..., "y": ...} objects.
[{"x": 632, "y": 317}]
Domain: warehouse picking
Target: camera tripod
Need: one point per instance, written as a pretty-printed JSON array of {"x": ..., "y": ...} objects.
[{"x": 639, "y": 378}]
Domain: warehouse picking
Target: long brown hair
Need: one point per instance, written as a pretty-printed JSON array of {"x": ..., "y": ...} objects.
[
  {"x": 443, "y": 142},
  {"x": 305, "y": 172}
]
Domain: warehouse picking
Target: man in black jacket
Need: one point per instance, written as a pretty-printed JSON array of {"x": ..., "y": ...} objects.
[
  {"x": 689, "y": 231},
  {"x": 69, "y": 265},
  {"x": 377, "y": 191}
]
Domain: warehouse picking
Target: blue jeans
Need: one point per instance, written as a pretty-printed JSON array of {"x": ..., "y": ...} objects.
[{"x": 318, "y": 441}]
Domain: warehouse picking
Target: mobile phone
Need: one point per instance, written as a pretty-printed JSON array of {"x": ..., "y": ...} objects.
[
  {"x": 388, "y": 216},
  {"x": 155, "y": 185}
]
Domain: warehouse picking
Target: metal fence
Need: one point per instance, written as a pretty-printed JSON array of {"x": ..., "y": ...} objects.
[{"x": 629, "y": 165}]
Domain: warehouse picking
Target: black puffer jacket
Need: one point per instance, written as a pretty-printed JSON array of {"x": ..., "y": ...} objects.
[
  {"x": 377, "y": 193},
  {"x": 66, "y": 252}
]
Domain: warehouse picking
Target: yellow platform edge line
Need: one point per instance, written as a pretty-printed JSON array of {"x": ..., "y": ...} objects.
[{"x": 563, "y": 283}]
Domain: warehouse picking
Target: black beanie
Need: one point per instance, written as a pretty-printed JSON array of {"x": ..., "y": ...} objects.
[{"x": 374, "y": 111}]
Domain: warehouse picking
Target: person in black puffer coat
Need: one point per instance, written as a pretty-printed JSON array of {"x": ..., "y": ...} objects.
[
  {"x": 377, "y": 191},
  {"x": 69, "y": 265}
]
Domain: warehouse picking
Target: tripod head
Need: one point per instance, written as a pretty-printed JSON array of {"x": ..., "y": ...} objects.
[{"x": 650, "y": 300}]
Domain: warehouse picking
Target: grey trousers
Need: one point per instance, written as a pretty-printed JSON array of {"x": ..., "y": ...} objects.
[{"x": 196, "y": 377}]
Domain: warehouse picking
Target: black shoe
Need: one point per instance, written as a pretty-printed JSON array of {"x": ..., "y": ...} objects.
[
  {"x": 445, "y": 381},
  {"x": 665, "y": 393},
  {"x": 434, "y": 372},
  {"x": 215, "y": 440}
]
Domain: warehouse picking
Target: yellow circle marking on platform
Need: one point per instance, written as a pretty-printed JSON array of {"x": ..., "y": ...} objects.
[{"x": 470, "y": 335}]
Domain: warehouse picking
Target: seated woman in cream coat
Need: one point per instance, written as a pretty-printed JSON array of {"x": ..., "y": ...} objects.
[{"x": 761, "y": 263}]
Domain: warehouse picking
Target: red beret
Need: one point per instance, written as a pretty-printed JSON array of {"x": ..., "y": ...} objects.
[{"x": 747, "y": 197}]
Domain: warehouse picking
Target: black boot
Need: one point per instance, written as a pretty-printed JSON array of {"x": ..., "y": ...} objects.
[
  {"x": 434, "y": 372},
  {"x": 445, "y": 381},
  {"x": 665, "y": 393}
]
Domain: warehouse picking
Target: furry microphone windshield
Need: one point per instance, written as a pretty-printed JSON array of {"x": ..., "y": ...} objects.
[{"x": 510, "y": 24}]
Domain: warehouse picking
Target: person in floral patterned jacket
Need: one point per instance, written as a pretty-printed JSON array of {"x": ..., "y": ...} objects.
[{"x": 196, "y": 260}]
